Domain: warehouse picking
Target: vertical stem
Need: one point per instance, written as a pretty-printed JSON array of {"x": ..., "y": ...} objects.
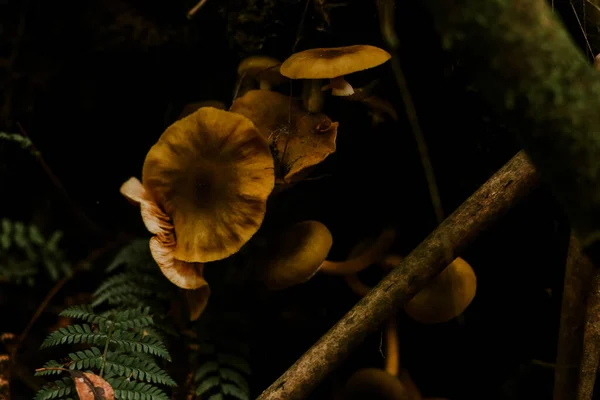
[
  {"x": 392, "y": 347},
  {"x": 111, "y": 329}
]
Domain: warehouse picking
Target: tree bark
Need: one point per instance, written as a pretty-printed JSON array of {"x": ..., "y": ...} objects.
[
  {"x": 530, "y": 68},
  {"x": 579, "y": 275},
  {"x": 512, "y": 182}
]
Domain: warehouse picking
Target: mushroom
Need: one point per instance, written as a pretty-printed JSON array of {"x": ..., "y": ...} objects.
[
  {"x": 446, "y": 297},
  {"x": 264, "y": 69},
  {"x": 186, "y": 275},
  {"x": 361, "y": 260},
  {"x": 205, "y": 186},
  {"x": 190, "y": 108},
  {"x": 298, "y": 141},
  {"x": 330, "y": 63},
  {"x": 295, "y": 255},
  {"x": 597, "y": 62},
  {"x": 374, "y": 384}
]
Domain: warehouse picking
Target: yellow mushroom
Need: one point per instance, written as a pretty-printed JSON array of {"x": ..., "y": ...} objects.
[
  {"x": 298, "y": 140},
  {"x": 263, "y": 69},
  {"x": 193, "y": 107},
  {"x": 375, "y": 384},
  {"x": 362, "y": 259},
  {"x": 411, "y": 388},
  {"x": 294, "y": 255},
  {"x": 332, "y": 63},
  {"x": 446, "y": 297},
  {"x": 203, "y": 194}
]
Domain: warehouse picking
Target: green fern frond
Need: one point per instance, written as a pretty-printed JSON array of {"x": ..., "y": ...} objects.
[
  {"x": 50, "y": 364},
  {"x": 120, "y": 365},
  {"x": 126, "y": 319},
  {"x": 58, "y": 389},
  {"x": 126, "y": 389},
  {"x": 140, "y": 343},
  {"x": 127, "y": 288},
  {"x": 124, "y": 340},
  {"x": 226, "y": 375},
  {"x": 23, "y": 250},
  {"x": 140, "y": 284},
  {"x": 133, "y": 318},
  {"x": 86, "y": 359},
  {"x": 127, "y": 341},
  {"x": 84, "y": 313},
  {"x": 129, "y": 366}
]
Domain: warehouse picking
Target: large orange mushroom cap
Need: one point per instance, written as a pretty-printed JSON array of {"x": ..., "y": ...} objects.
[
  {"x": 299, "y": 140},
  {"x": 211, "y": 173}
]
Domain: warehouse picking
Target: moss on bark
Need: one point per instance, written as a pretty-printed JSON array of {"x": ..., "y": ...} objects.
[{"x": 529, "y": 66}]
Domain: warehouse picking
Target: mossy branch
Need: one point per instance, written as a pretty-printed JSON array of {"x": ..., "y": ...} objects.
[{"x": 529, "y": 67}]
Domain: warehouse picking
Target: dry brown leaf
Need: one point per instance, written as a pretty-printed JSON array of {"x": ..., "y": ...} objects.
[
  {"x": 92, "y": 387},
  {"x": 300, "y": 140}
]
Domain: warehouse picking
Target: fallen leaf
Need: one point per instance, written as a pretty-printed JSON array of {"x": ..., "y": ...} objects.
[{"x": 92, "y": 387}]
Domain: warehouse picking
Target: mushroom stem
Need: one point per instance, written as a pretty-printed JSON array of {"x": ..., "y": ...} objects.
[
  {"x": 264, "y": 85},
  {"x": 392, "y": 350},
  {"x": 366, "y": 258},
  {"x": 339, "y": 87},
  {"x": 312, "y": 96}
]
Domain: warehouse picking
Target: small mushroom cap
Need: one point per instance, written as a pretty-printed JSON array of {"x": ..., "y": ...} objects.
[
  {"x": 299, "y": 140},
  {"x": 262, "y": 68},
  {"x": 412, "y": 390},
  {"x": 212, "y": 173},
  {"x": 374, "y": 384},
  {"x": 296, "y": 254},
  {"x": 329, "y": 63},
  {"x": 446, "y": 297}
]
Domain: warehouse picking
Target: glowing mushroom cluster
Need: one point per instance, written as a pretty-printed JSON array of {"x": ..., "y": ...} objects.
[{"x": 203, "y": 192}]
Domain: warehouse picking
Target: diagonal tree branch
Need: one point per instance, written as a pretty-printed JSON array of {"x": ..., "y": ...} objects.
[{"x": 512, "y": 182}]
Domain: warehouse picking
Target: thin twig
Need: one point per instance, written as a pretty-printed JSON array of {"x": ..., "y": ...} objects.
[
  {"x": 502, "y": 191},
  {"x": 386, "y": 9},
  {"x": 301, "y": 26},
  {"x": 195, "y": 9}
]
